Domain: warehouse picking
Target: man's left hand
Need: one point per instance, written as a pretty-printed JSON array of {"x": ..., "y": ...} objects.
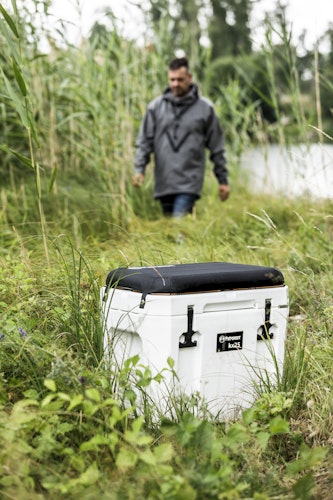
[
  {"x": 224, "y": 191},
  {"x": 137, "y": 179}
]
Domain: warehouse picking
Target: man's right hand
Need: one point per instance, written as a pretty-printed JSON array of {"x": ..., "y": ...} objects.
[
  {"x": 224, "y": 191},
  {"x": 137, "y": 179}
]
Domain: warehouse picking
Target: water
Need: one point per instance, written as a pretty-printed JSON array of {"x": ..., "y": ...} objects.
[{"x": 293, "y": 171}]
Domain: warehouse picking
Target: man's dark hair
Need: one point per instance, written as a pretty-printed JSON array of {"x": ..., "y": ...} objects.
[{"x": 179, "y": 62}]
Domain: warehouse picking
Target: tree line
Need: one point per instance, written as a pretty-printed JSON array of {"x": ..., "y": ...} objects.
[{"x": 217, "y": 36}]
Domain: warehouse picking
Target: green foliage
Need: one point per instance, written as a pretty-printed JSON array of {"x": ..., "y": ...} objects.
[
  {"x": 229, "y": 29},
  {"x": 65, "y": 414},
  {"x": 87, "y": 438},
  {"x": 17, "y": 95}
]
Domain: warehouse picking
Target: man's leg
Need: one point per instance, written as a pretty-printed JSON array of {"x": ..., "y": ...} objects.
[
  {"x": 167, "y": 204},
  {"x": 183, "y": 204}
]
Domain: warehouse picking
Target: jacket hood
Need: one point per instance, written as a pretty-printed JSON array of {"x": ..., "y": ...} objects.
[{"x": 185, "y": 100}]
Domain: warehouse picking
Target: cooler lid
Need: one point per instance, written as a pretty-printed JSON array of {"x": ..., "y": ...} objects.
[{"x": 198, "y": 277}]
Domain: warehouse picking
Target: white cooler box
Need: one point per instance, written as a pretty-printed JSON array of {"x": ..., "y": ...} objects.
[{"x": 223, "y": 324}]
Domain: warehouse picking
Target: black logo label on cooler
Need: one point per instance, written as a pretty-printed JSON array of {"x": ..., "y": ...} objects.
[{"x": 229, "y": 341}]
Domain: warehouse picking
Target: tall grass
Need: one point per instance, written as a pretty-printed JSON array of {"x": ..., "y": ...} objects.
[{"x": 87, "y": 102}]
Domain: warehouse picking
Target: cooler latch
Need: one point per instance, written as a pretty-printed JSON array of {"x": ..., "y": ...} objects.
[
  {"x": 188, "y": 342},
  {"x": 264, "y": 333}
]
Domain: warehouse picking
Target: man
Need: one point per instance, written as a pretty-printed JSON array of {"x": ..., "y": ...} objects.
[{"x": 177, "y": 128}]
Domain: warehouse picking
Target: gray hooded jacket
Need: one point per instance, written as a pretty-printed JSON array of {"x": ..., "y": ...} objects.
[{"x": 178, "y": 130}]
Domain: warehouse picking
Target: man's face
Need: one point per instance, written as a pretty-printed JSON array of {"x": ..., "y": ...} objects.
[{"x": 179, "y": 81}]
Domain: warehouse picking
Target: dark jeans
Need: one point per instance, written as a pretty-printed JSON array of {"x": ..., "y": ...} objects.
[{"x": 178, "y": 205}]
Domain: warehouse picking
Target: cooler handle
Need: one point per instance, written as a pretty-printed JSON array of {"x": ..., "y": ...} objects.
[
  {"x": 188, "y": 342},
  {"x": 265, "y": 334}
]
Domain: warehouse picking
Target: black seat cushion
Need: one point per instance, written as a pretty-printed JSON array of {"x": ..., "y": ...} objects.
[{"x": 197, "y": 277}]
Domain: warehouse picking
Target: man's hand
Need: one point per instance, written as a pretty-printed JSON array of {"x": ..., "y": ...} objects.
[
  {"x": 137, "y": 179},
  {"x": 224, "y": 191}
]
